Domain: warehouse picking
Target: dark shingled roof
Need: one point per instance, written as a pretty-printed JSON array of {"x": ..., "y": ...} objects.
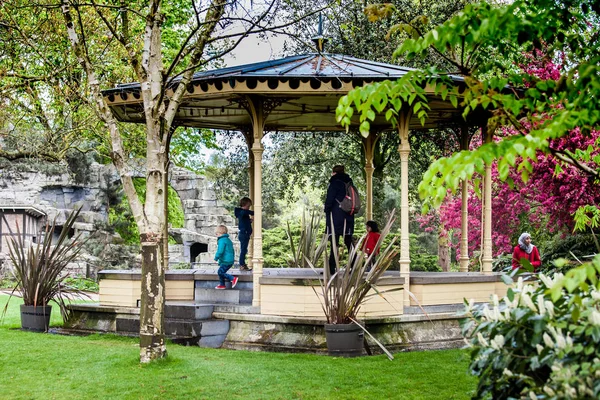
[{"x": 301, "y": 94}]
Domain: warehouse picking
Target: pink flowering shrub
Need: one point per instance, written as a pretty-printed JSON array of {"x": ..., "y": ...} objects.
[{"x": 548, "y": 200}]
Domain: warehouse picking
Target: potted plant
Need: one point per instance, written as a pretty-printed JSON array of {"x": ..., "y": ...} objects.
[
  {"x": 343, "y": 294},
  {"x": 38, "y": 269}
]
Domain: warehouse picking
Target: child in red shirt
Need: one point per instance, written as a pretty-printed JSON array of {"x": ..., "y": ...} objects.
[{"x": 370, "y": 242}]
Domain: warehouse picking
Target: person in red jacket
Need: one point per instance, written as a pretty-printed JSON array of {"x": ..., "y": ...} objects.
[
  {"x": 526, "y": 250},
  {"x": 371, "y": 242}
]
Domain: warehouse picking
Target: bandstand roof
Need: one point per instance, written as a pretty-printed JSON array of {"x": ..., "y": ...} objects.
[{"x": 300, "y": 92}]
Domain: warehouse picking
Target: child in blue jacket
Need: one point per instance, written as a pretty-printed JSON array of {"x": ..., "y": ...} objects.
[
  {"x": 244, "y": 216},
  {"x": 224, "y": 256}
]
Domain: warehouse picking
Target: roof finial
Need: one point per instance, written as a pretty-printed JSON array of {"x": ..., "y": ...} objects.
[{"x": 320, "y": 40}]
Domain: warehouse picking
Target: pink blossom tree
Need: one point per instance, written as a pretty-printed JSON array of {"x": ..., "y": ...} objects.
[{"x": 547, "y": 200}]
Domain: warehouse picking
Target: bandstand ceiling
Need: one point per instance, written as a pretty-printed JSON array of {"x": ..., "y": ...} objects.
[{"x": 300, "y": 93}]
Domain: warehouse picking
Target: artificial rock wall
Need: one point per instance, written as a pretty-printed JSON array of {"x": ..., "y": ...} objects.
[{"x": 56, "y": 193}]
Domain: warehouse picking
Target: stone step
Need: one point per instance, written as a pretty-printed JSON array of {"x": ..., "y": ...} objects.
[
  {"x": 213, "y": 342},
  {"x": 211, "y": 283},
  {"x": 190, "y": 311},
  {"x": 227, "y": 296},
  {"x": 178, "y": 328},
  {"x": 236, "y": 308}
]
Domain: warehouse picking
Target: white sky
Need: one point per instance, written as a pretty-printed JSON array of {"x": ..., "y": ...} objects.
[{"x": 252, "y": 49}]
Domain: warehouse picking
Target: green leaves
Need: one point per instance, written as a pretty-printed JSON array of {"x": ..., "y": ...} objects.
[
  {"x": 385, "y": 100},
  {"x": 541, "y": 337}
]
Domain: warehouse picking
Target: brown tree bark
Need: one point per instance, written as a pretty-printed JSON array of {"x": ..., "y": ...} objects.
[{"x": 443, "y": 251}]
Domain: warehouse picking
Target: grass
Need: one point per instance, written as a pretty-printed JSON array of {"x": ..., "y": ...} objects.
[{"x": 47, "y": 366}]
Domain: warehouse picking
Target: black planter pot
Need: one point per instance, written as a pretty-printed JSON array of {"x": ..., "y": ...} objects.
[
  {"x": 35, "y": 318},
  {"x": 344, "y": 340}
]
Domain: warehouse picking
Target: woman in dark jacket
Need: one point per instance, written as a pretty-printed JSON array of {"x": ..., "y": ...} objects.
[{"x": 343, "y": 222}]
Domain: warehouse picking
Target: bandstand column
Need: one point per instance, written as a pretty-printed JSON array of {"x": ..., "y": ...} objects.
[
  {"x": 464, "y": 221},
  {"x": 369, "y": 145},
  {"x": 255, "y": 108},
  {"x": 404, "y": 150},
  {"x": 252, "y": 196},
  {"x": 486, "y": 259}
]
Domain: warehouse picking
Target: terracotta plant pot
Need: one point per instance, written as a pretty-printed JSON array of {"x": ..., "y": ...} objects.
[
  {"x": 35, "y": 318},
  {"x": 344, "y": 340}
]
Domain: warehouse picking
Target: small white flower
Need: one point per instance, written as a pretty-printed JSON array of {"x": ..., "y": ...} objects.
[
  {"x": 520, "y": 284},
  {"x": 498, "y": 342},
  {"x": 547, "y": 280},
  {"x": 539, "y": 348},
  {"x": 541, "y": 305},
  {"x": 548, "y": 340},
  {"x": 471, "y": 304},
  {"x": 495, "y": 300},
  {"x": 549, "y": 308},
  {"x": 507, "y": 372},
  {"x": 549, "y": 391},
  {"x": 556, "y": 368},
  {"x": 511, "y": 304},
  {"x": 497, "y": 314},
  {"x": 595, "y": 317},
  {"x": 528, "y": 302},
  {"x": 595, "y": 294},
  {"x": 561, "y": 342},
  {"x": 532, "y": 396},
  {"x": 487, "y": 314},
  {"x": 482, "y": 340}
]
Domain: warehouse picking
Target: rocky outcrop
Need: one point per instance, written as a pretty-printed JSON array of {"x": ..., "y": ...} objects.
[
  {"x": 202, "y": 214},
  {"x": 55, "y": 192}
]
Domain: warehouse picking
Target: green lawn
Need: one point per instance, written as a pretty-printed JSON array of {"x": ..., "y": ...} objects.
[{"x": 47, "y": 366}]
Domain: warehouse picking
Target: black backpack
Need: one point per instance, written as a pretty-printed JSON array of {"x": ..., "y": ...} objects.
[{"x": 351, "y": 202}]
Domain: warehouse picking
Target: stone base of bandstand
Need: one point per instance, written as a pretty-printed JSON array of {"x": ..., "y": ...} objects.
[
  {"x": 303, "y": 335},
  {"x": 290, "y": 318}
]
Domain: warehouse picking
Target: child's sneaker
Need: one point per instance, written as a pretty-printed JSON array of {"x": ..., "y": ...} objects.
[
  {"x": 220, "y": 287},
  {"x": 234, "y": 282}
]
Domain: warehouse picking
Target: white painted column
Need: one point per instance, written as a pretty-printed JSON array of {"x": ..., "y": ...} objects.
[
  {"x": 486, "y": 259},
  {"x": 252, "y": 195},
  {"x": 464, "y": 218},
  {"x": 464, "y": 229},
  {"x": 255, "y": 108},
  {"x": 257, "y": 256},
  {"x": 404, "y": 150},
  {"x": 369, "y": 144}
]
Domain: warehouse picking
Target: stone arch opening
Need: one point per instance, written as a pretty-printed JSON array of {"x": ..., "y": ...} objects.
[{"x": 196, "y": 249}]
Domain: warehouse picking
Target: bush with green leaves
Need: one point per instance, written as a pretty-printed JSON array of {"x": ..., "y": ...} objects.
[
  {"x": 276, "y": 247},
  {"x": 83, "y": 284},
  {"x": 541, "y": 340},
  {"x": 121, "y": 219}
]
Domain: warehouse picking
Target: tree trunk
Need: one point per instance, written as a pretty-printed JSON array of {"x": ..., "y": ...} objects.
[
  {"x": 443, "y": 251},
  {"x": 152, "y": 337},
  {"x": 154, "y": 262},
  {"x": 153, "y": 241}
]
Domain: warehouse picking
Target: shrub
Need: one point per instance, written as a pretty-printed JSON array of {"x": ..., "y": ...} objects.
[
  {"x": 540, "y": 341},
  {"x": 276, "y": 248},
  {"x": 424, "y": 263},
  {"x": 121, "y": 219},
  {"x": 420, "y": 257},
  {"x": 83, "y": 284}
]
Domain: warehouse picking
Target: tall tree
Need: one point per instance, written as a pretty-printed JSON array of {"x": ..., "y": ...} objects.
[
  {"x": 159, "y": 44},
  {"x": 482, "y": 43}
]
